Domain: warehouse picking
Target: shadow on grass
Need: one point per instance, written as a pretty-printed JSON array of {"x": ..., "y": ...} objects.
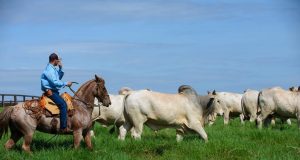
[
  {"x": 48, "y": 144},
  {"x": 42, "y": 144}
]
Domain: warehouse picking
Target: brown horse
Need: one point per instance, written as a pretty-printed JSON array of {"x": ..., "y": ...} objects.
[{"x": 22, "y": 123}]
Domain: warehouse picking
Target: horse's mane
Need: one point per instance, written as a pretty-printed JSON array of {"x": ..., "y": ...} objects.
[{"x": 82, "y": 87}]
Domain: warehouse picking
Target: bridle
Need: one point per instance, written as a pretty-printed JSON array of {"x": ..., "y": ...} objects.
[{"x": 80, "y": 99}]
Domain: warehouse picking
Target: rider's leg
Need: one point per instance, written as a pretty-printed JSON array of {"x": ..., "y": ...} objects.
[{"x": 55, "y": 97}]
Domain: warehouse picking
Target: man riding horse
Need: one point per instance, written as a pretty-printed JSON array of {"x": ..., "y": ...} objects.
[
  {"x": 51, "y": 83},
  {"x": 25, "y": 118}
]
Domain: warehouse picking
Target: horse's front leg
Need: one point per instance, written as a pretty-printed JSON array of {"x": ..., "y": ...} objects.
[
  {"x": 77, "y": 134},
  {"x": 87, "y": 139}
]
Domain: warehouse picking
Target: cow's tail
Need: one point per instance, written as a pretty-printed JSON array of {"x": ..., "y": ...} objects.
[
  {"x": 4, "y": 120},
  {"x": 243, "y": 105},
  {"x": 113, "y": 129},
  {"x": 258, "y": 102}
]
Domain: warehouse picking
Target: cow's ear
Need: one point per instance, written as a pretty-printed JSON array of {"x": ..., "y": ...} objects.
[
  {"x": 208, "y": 92},
  {"x": 214, "y": 92}
]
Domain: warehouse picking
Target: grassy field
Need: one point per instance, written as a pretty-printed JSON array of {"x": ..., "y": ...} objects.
[{"x": 234, "y": 141}]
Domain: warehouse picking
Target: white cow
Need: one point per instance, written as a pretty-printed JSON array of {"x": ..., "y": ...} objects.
[
  {"x": 279, "y": 103},
  {"x": 249, "y": 104},
  {"x": 112, "y": 115},
  {"x": 251, "y": 109},
  {"x": 158, "y": 110},
  {"x": 228, "y": 104}
]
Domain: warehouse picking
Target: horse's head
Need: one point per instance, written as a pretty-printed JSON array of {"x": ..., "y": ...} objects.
[{"x": 100, "y": 91}]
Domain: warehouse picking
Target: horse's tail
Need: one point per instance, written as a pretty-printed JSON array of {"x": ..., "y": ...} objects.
[{"x": 4, "y": 120}]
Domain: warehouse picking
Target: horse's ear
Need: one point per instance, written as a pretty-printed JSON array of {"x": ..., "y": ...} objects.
[{"x": 97, "y": 78}]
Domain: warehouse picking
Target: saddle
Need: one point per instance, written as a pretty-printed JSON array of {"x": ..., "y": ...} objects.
[
  {"x": 45, "y": 106},
  {"x": 48, "y": 105}
]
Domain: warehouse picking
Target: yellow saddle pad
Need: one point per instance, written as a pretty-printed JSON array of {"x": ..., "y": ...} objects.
[{"x": 48, "y": 104}]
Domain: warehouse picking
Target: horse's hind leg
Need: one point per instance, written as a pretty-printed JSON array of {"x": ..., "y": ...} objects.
[
  {"x": 14, "y": 138},
  {"x": 27, "y": 142}
]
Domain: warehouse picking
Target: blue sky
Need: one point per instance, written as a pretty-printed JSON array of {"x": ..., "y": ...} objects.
[{"x": 160, "y": 44}]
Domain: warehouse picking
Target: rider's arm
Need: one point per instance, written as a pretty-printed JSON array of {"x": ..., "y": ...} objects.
[
  {"x": 60, "y": 73},
  {"x": 53, "y": 79}
]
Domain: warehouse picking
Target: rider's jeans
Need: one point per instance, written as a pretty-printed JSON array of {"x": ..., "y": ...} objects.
[{"x": 56, "y": 98}]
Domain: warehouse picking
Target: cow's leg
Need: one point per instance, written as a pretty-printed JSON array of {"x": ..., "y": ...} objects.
[
  {"x": 138, "y": 125},
  {"x": 179, "y": 135},
  {"x": 14, "y": 138},
  {"x": 270, "y": 120},
  {"x": 197, "y": 127},
  {"x": 123, "y": 129},
  {"x": 273, "y": 121},
  {"x": 261, "y": 118},
  {"x": 253, "y": 117},
  {"x": 77, "y": 136},
  {"x": 242, "y": 118},
  {"x": 289, "y": 122},
  {"x": 137, "y": 130},
  {"x": 226, "y": 117}
]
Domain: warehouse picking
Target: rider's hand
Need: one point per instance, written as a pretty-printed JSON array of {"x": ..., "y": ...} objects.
[
  {"x": 69, "y": 84},
  {"x": 60, "y": 63},
  {"x": 48, "y": 92}
]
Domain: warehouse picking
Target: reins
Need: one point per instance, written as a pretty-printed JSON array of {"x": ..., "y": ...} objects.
[{"x": 78, "y": 98}]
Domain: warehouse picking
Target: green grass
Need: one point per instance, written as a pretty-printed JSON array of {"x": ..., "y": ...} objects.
[{"x": 234, "y": 141}]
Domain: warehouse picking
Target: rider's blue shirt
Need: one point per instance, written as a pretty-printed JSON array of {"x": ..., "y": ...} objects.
[{"x": 51, "y": 78}]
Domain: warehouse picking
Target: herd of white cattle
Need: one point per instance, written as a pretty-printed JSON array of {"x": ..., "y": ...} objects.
[{"x": 187, "y": 111}]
